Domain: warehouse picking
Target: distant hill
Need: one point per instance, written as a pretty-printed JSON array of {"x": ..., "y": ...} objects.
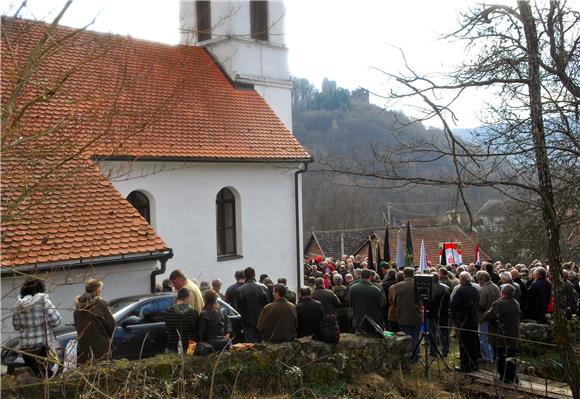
[{"x": 344, "y": 126}]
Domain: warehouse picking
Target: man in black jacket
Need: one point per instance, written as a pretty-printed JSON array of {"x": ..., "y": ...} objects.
[
  {"x": 538, "y": 297},
  {"x": 309, "y": 313},
  {"x": 464, "y": 306},
  {"x": 327, "y": 298},
  {"x": 181, "y": 322},
  {"x": 250, "y": 299},
  {"x": 232, "y": 289},
  {"x": 504, "y": 324},
  {"x": 438, "y": 315}
]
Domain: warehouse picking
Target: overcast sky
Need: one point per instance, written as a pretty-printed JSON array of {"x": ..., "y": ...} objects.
[{"x": 339, "y": 39}]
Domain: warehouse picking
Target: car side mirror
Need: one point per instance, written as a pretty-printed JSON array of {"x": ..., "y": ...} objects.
[{"x": 130, "y": 321}]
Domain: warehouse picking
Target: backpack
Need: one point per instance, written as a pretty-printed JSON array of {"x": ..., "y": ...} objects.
[{"x": 328, "y": 331}]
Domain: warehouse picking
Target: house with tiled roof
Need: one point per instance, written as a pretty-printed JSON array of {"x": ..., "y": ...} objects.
[
  {"x": 139, "y": 157},
  {"x": 335, "y": 243}
]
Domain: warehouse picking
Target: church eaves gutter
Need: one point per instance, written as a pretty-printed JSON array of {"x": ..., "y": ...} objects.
[
  {"x": 87, "y": 262},
  {"x": 198, "y": 159}
]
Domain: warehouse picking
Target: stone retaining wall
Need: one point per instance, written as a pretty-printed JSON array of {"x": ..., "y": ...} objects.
[{"x": 286, "y": 367}]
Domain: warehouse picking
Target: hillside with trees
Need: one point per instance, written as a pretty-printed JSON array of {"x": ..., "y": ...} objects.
[{"x": 337, "y": 124}]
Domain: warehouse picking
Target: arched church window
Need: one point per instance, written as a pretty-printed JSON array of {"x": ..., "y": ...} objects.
[
  {"x": 259, "y": 19},
  {"x": 141, "y": 203},
  {"x": 203, "y": 14},
  {"x": 226, "y": 223}
]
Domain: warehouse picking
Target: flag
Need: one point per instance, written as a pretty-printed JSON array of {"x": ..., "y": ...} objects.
[
  {"x": 477, "y": 260},
  {"x": 442, "y": 259},
  {"x": 400, "y": 261},
  {"x": 452, "y": 253},
  {"x": 386, "y": 249},
  {"x": 423, "y": 259},
  {"x": 409, "y": 247},
  {"x": 370, "y": 262}
]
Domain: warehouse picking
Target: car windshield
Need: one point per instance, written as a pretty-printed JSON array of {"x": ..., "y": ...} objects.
[{"x": 119, "y": 304}]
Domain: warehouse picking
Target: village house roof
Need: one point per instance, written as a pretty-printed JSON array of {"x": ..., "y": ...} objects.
[
  {"x": 110, "y": 97},
  {"x": 327, "y": 243}
]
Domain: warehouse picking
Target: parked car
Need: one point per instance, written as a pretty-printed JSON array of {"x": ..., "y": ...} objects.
[{"x": 140, "y": 330}]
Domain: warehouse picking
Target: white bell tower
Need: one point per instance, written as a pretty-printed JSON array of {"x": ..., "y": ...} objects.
[{"x": 247, "y": 39}]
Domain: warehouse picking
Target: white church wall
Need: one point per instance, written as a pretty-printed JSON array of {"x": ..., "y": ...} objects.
[
  {"x": 185, "y": 214},
  {"x": 65, "y": 285}
]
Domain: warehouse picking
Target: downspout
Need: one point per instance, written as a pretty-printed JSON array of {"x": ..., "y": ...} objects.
[
  {"x": 161, "y": 270},
  {"x": 298, "y": 231}
]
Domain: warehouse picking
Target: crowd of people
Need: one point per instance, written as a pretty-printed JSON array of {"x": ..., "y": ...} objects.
[{"x": 483, "y": 304}]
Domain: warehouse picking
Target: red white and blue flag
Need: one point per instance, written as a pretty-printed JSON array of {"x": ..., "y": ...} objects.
[{"x": 477, "y": 260}]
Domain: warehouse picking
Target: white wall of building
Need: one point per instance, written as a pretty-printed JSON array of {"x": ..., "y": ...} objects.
[
  {"x": 184, "y": 214},
  {"x": 65, "y": 285},
  {"x": 245, "y": 60}
]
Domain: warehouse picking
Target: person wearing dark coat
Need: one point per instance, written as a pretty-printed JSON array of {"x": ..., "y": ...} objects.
[
  {"x": 342, "y": 312},
  {"x": 278, "y": 320},
  {"x": 488, "y": 267},
  {"x": 94, "y": 324},
  {"x": 504, "y": 324},
  {"x": 538, "y": 297},
  {"x": 437, "y": 312},
  {"x": 464, "y": 311},
  {"x": 523, "y": 288},
  {"x": 366, "y": 299},
  {"x": 326, "y": 297},
  {"x": 181, "y": 321},
  {"x": 232, "y": 289},
  {"x": 250, "y": 299},
  {"x": 214, "y": 325},
  {"x": 390, "y": 279},
  {"x": 407, "y": 308},
  {"x": 309, "y": 313}
]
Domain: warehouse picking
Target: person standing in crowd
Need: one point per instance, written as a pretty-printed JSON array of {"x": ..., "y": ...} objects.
[
  {"x": 166, "y": 286},
  {"x": 214, "y": 325},
  {"x": 506, "y": 278},
  {"x": 523, "y": 289},
  {"x": 539, "y": 294},
  {"x": 389, "y": 280},
  {"x": 447, "y": 278},
  {"x": 179, "y": 281},
  {"x": 231, "y": 291},
  {"x": 181, "y": 322},
  {"x": 407, "y": 308},
  {"x": 504, "y": 318},
  {"x": 438, "y": 311},
  {"x": 290, "y": 295},
  {"x": 488, "y": 267},
  {"x": 366, "y": 299},
  {"x": 488, "y": 294},
  {"x": 34, "y": 317},
  {"x": 278, "y": 320},
  {"x": 464, "y": 311},
  {"x": 94, "y": 323},
  {"x": 326, "y": 297},
  {"x": 342, "y": 312},
  {"x": 216, "y": 285},
  {"x": 250, "y": 299},
  {"x": 309, "y": 313}
]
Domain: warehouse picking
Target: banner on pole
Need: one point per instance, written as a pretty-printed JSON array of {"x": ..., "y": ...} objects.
[{"x": 450, "y": 252}]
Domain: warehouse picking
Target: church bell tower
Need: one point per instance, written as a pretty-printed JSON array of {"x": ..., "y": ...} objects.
[{"x": 247, "y": 39}]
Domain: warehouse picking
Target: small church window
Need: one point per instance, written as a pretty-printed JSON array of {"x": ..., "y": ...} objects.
[
  {"x": 203, "y": 13},
  {"x": 259, "y": 19},
  {"x": 141, "y": 203},
  {"x": 226, "y": 223}
]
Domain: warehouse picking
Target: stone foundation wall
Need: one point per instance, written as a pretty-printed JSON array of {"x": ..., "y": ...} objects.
[{"x": 287, "y": 368}]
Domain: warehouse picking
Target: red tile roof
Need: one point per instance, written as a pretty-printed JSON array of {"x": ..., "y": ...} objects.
[
  {"x": 146, "y": 99},
  {"x": 75, "y": 213},
  {"x": 98, "y": 95}
]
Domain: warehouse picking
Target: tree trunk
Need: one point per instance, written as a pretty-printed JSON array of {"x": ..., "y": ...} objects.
[{"x": 572, "y": 368}]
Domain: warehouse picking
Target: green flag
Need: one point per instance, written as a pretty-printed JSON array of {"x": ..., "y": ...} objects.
[{"x": 409, "y": 247}]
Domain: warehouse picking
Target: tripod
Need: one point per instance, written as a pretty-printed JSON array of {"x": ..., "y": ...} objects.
[{"x": 427, "y": 339}]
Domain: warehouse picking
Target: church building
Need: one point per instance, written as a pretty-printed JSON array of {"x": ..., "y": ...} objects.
[{"x": 144, "y": 157}]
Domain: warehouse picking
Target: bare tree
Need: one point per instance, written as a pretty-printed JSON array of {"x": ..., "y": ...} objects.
[{"x": 528, "y": 59}]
